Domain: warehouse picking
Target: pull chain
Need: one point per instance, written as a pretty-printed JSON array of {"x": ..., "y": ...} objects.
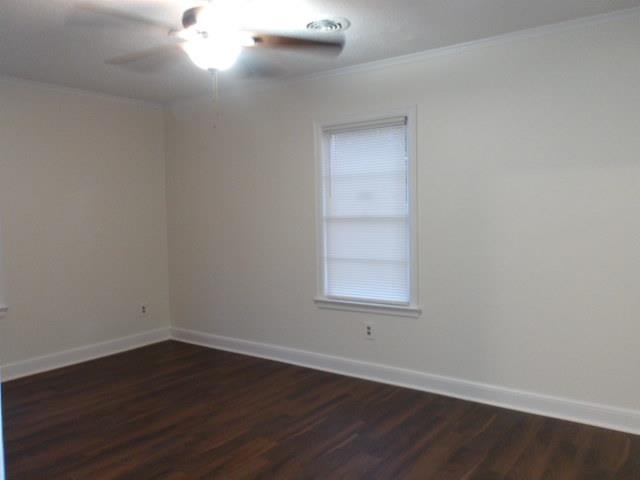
[
  {"x": 214, "y": 96},
  {"x": 214, "y": 82}
]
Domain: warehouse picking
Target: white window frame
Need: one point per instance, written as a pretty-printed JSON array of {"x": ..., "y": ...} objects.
[{"x": 412, "y": 309}]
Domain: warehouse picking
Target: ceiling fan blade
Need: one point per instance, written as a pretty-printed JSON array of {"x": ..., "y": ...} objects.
[
  {"x": 333, "y": 46},
  {"x": 253, "y": 65},
  {"x": 122, "y": 15},
  {"x": 144, "y": 54}
]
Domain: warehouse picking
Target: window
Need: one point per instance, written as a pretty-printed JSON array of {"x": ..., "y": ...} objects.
[{"x": 366, "y": 199}]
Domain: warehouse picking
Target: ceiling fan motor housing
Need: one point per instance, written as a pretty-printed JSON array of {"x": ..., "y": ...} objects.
[{"x": 190, "y": 17}]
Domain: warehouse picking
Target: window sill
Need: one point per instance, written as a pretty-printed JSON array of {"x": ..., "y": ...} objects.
[{"x": 350, "y": 306}]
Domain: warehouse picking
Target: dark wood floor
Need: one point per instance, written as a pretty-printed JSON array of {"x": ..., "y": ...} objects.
[{"x": 174, "y": 411}]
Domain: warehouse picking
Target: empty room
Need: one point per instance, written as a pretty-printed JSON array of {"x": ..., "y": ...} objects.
[{"x": 320, "y": 239}]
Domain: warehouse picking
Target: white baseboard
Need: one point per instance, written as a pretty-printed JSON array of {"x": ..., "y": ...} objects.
[
  {"x": 614, "y": 418},
  {"x": 11, "y": 371},
  {"x": 588, "y": 413}
]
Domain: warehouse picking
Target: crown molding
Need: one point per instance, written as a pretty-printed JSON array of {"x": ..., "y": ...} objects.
[
  {"x": 506, "y": 38},
  {"x": 52, "y": 87}
]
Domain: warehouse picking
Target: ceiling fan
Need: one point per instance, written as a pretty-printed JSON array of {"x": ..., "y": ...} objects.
[{"x": 211, "y": 39}]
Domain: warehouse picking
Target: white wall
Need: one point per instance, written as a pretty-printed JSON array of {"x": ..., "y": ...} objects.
[
  {"x": 3, "y": 295},
  {"x": 529, "y": 214},
  {"x": 82, "y": 203}
]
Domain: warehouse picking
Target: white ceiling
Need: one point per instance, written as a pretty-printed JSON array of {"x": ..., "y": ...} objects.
[{"x": 49, "y": 41}]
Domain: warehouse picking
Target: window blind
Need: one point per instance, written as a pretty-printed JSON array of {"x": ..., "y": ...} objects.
[{"x": 366, "y": 221}]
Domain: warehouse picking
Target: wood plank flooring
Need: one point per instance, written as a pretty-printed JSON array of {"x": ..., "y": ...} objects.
[{"x": 175, "y": 411}]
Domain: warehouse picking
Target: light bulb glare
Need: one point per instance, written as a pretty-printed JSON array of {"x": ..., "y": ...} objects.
[{"x": 212, "y": 53}]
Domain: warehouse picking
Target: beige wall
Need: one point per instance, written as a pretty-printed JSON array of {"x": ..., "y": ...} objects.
[
  {"x": 3, "y": 293},
  {"x": 529, "y": 214},
  {"x": 82, "y": 206}
]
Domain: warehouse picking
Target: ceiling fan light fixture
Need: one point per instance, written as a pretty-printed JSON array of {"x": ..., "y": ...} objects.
[
  {"x": 213, "y": 39},
  {"x": 245, "y": 39},
  {"x": 212, "y": 53}
]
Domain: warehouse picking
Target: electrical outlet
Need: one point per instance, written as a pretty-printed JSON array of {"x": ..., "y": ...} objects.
[
  {"x": 144, "y": 310},
  {"x": 369, "y": 331}
]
